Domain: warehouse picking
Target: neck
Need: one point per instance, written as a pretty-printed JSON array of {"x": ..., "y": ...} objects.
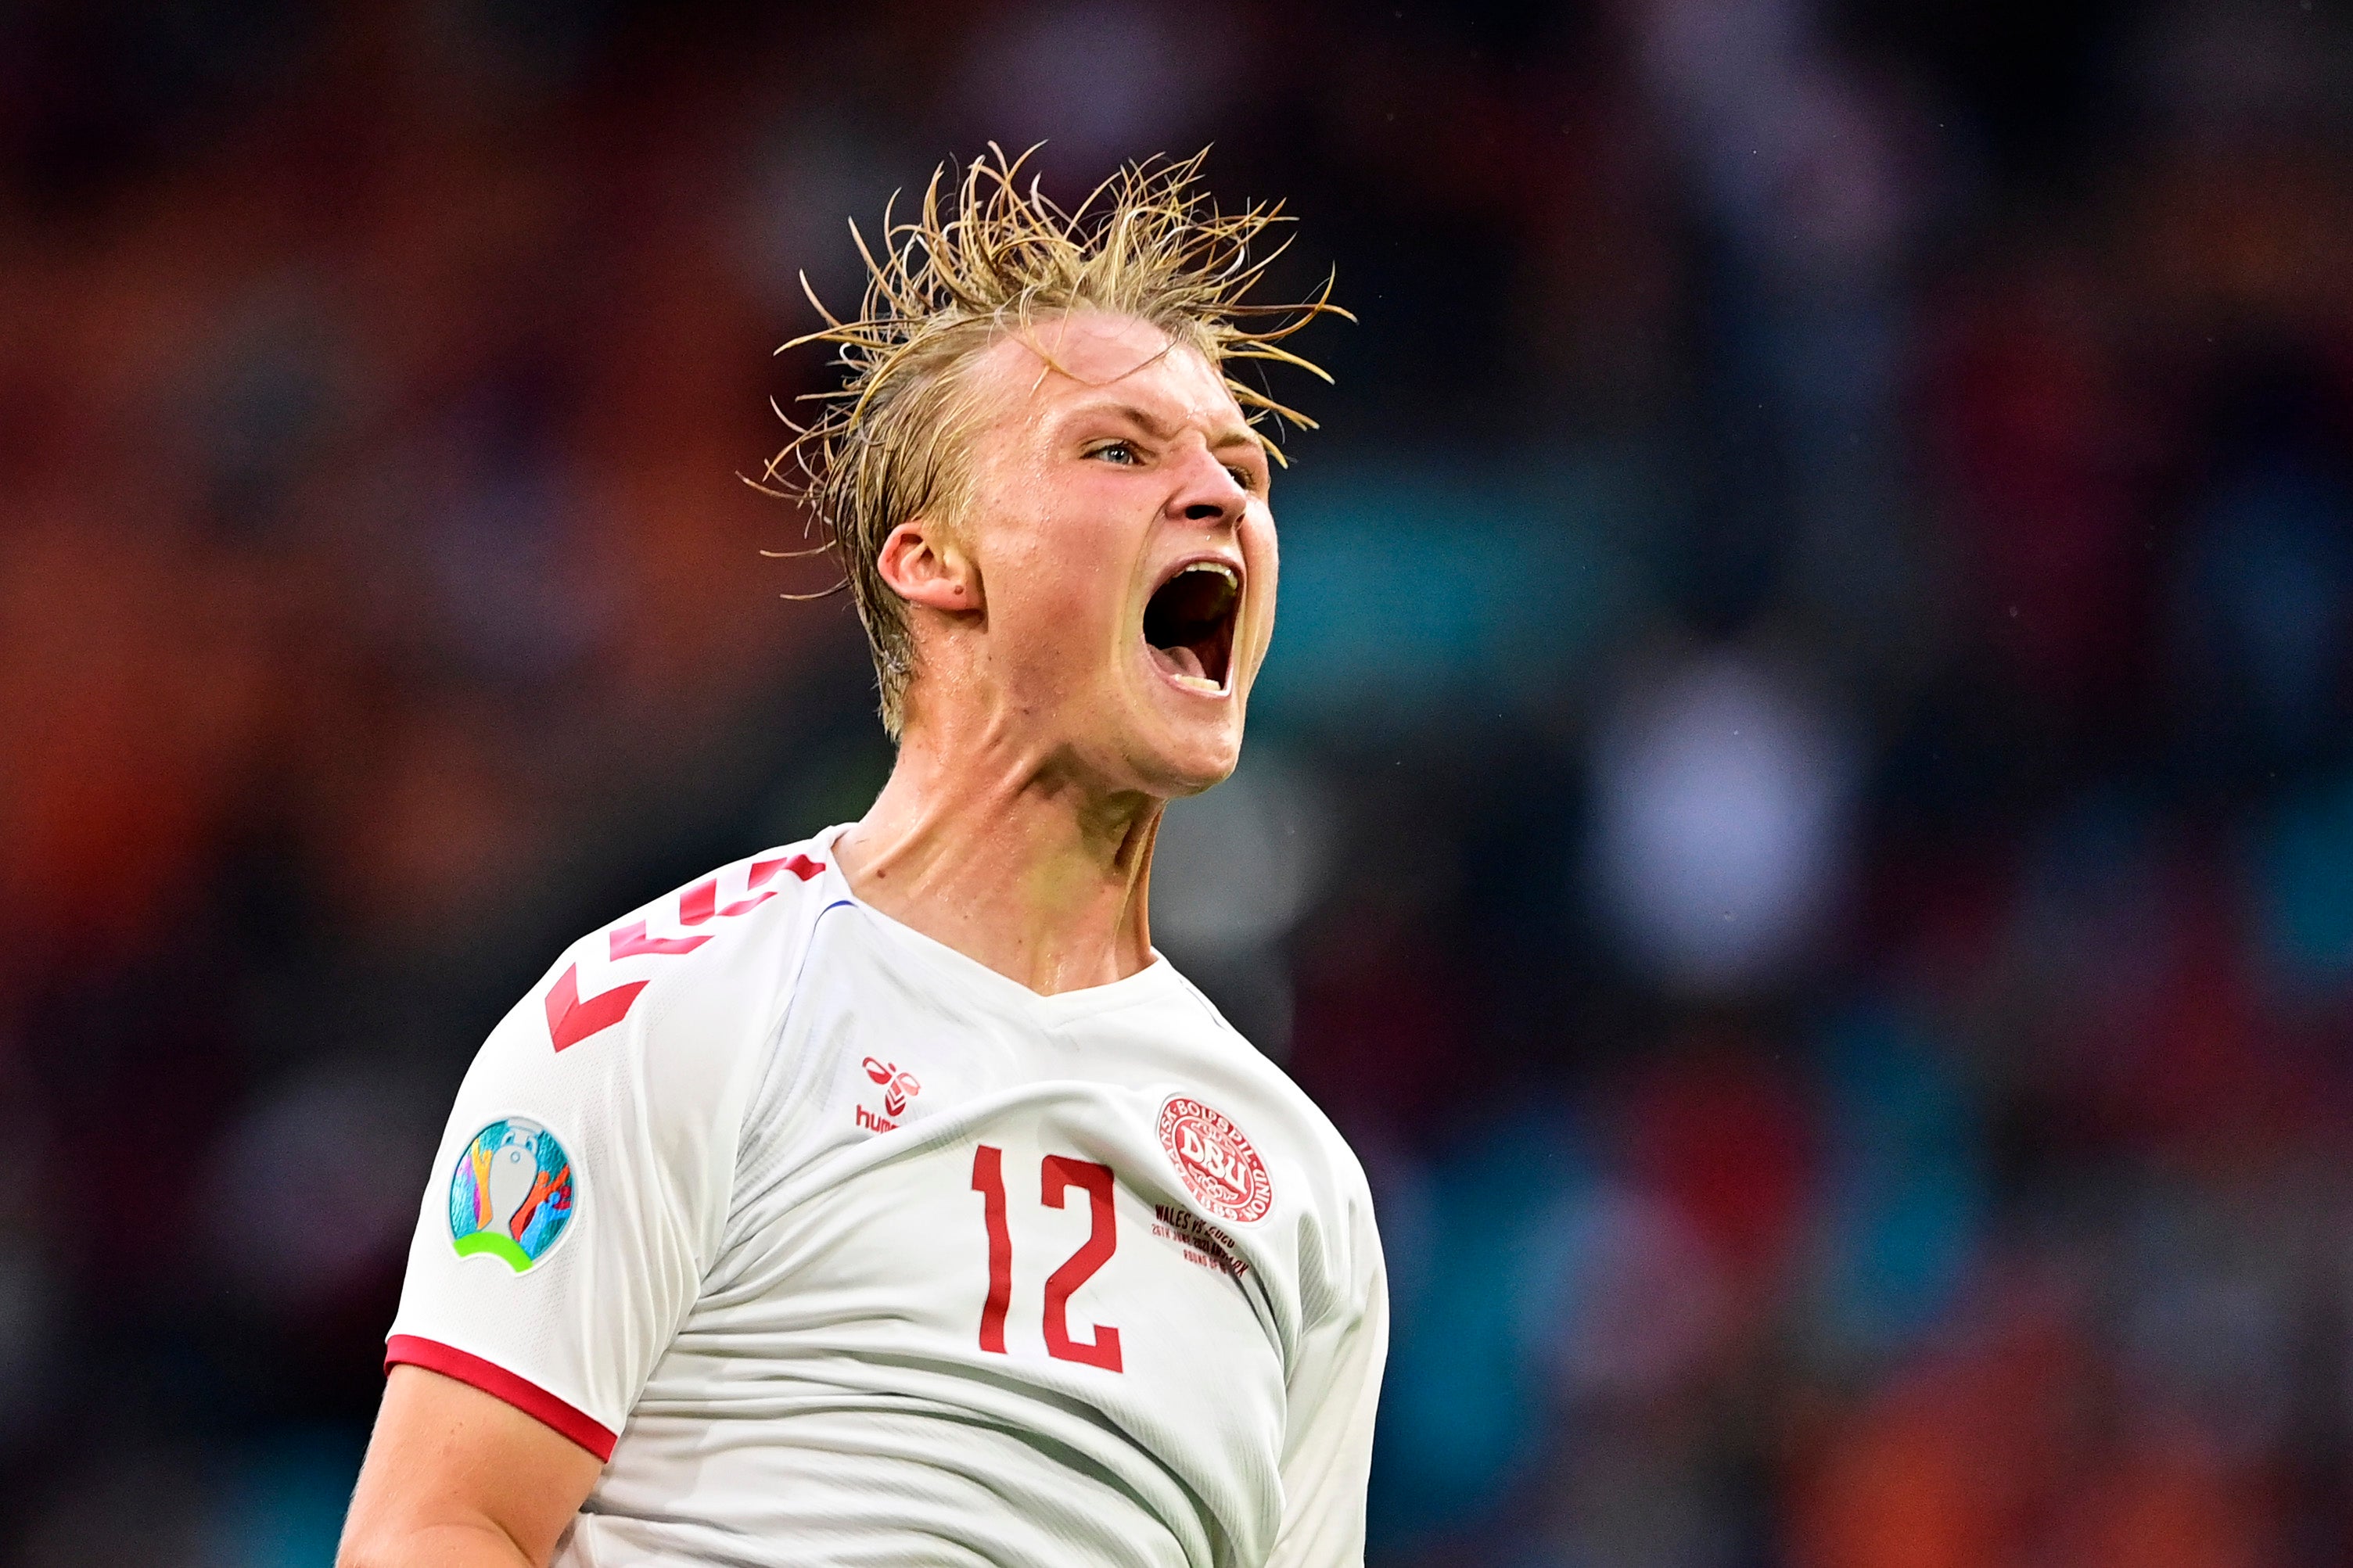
[{"x": 1007, "y": 858}]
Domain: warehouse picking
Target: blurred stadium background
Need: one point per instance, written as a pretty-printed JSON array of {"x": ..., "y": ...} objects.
[{"x": 1801, "y": 816}]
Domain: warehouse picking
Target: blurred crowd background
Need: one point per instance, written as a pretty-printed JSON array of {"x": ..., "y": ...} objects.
[{"x": 1801, "y": 814}]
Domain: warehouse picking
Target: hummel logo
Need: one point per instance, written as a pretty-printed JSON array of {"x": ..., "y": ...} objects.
[{"x": 898, "y": 1088}]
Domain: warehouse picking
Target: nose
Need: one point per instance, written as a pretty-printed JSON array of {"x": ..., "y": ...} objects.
[{"x": 1206, "y": 490}]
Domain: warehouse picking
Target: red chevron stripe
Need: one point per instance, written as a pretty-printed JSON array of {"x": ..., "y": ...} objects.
[
  {"x": 700, "y": 903},
  {"x": 631, "y": 940},
  {"x": 571, "y": 1020}
]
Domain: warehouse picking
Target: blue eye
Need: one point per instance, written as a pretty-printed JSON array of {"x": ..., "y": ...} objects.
[{"x": 1115, "y": 451}]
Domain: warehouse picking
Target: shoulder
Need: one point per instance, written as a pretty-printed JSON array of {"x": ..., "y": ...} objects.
[
  {"x": 634, "y": 1055},
  {"x": 728, "y": 944},
  {"x": 1340, "y": 1195},
  {"x": 693, "y": 979},
  {"x": 1270, "y": 1083}
]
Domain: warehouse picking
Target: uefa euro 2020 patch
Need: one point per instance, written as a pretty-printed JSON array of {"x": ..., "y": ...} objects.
[{"x": 511, "y": 1196}]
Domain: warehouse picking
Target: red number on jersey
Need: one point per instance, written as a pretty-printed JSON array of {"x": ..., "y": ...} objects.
[
  {"x": 988, "y": 1181},
  {"x": 1062, "y": 1172},
  {"x": 1059, "y": 1174}
]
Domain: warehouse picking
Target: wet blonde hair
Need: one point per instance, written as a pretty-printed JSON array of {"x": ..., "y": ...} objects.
[{"x": 986, "y": 256}]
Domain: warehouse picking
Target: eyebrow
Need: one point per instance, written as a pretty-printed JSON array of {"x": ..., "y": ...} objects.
[{"x": 1229, "y": 435}]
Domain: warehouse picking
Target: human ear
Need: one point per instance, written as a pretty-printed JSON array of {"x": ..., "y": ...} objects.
[{"x": 923, "y": 565}]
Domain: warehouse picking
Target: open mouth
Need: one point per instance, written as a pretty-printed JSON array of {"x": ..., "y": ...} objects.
[{"x": 1189, "y": 624}]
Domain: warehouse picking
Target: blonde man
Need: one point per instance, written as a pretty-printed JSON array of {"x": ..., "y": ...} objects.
[{"x": 885, "y": 1198}]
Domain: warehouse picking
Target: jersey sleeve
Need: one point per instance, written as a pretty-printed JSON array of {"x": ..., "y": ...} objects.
[
  {"x": 1335, "y": 1391},
  {"x": 581, "y": 1189}
]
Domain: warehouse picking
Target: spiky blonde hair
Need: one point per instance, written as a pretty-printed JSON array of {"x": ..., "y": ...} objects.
[{"x": 986, "y": 257}]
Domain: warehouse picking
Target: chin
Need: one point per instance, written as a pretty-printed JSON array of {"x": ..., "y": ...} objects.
[{"x": 1176, "y": 766}]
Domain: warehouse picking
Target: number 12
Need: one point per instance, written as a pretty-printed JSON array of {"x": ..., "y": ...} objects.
[{"x": 1059, "y": 1174}]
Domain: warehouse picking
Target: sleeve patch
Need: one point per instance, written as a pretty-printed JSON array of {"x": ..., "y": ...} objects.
[{"x": 511, "y": 1194}]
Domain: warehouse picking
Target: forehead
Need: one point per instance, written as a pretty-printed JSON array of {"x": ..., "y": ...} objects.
[{"x": 1064, "y": 360}]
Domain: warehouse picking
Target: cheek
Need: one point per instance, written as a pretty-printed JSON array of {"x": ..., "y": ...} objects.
[
  {"x": 1264, "y": 560},
  {"x": 1063, "y": 585},
  {"x": 1258, "y": 550}
]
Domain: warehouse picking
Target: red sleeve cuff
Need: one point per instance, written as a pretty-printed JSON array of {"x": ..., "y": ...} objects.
[{"x": 499, "y": 1383}]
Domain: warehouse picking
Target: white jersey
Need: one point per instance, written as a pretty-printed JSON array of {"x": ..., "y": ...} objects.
[{"x": 842, "y": 1248}]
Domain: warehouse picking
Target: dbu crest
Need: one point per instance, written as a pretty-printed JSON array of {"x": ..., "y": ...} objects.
[{"x": 1218, "y": 1166}]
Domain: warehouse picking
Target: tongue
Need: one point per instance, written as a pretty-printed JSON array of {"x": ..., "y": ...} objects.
[{"x": 1181, "y": 659}]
